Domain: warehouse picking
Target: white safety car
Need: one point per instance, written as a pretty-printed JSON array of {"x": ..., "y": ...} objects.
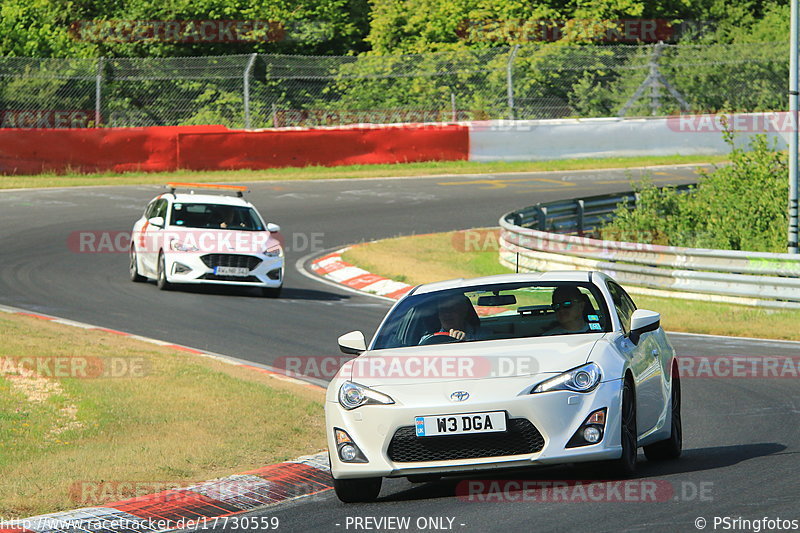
[
  {"x": 499, "y": 372},
  {"x": 188, "y": 238}
]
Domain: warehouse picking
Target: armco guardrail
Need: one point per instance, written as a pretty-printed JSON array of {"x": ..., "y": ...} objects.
[
  {"x": 581, "y": 216},
  {"x": 543, "y": 237}
]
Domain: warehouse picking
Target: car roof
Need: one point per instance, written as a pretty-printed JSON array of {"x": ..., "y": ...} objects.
[
  {"x": 559, "y": 275},
  {"x": 218, "y": 199}
]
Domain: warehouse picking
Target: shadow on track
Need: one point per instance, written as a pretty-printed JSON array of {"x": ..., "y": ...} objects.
[
  {"x": 288, "y": 293},
  {"x": 693, "y": 460}
]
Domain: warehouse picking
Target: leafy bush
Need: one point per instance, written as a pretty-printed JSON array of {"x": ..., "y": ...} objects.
[{"x": 740, "y": 206}]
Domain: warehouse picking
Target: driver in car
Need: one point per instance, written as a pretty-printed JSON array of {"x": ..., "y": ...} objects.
[
  {"x": 457, "y": 319},
  {"x": 229, "y": 220}
]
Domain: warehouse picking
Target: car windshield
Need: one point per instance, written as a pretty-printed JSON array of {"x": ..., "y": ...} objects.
[
  {"x": 492, "y": 312},
  {"x": 215, "y": 216}
]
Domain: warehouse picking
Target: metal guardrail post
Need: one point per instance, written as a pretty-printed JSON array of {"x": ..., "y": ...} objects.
[
  {"x": 541, "y": 215},
  {"x": 581, "y": 211},
  {"x": 247, "y": 72}
]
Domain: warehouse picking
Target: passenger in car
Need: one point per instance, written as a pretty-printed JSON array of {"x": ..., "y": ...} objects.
[{"x": 571, "y": 306}]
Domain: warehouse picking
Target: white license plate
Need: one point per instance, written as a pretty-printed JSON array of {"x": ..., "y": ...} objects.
[
  {"x": 430, "y": 426},
  {"x": 231, "y": 271}
]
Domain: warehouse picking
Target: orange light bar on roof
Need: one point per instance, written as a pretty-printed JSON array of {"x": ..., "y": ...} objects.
[{"x": 207, "y": 186}]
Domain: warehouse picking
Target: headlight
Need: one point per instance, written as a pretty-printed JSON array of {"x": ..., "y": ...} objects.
[
  {"x": 352, "y": 395},
  {"x": 582, "y": 379},
  {"x": 180, "y": 247},
  {"x": 274, "y": 252}
]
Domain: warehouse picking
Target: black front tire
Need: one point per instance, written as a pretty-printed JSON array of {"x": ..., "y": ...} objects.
[
  {"x": 161, "y": 279},
  {"x": 357, "y": 490},
  {"x": 672, "y": 447},
  {"x": 625, "y": 466},
  {"x": 133, "y": 267}
]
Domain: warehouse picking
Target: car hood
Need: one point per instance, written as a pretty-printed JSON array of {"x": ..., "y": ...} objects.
[{"x": 471, "y": 361}]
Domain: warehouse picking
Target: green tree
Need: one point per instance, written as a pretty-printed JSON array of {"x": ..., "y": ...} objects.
[
  {"x": 61, "y": 28},
  {"x": 739, "y": 206}
]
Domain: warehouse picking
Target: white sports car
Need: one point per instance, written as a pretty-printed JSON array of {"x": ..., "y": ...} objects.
[
  {"x": 503, "y": 371},
  {"x": 203, "y": 238}
]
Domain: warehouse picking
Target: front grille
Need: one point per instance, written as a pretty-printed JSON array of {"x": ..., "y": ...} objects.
[
  {"x": 214, "y": 277},
  {"x": 521, "y": 437},
  {"x": 230, "y": 260}
]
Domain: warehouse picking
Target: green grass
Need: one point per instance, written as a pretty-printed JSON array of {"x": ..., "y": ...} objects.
[
  {"x": 343, "y": 172},
  {"x": 181, "y": 420},
  {"x": 424, "y": 258},
  {"x": 435, "y": 257}
]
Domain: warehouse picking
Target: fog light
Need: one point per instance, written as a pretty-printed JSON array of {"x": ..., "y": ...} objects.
[
  {"x": 348, "y": 452},
  {"x": 591, "y": 431},
  {"x": 346, "y": 448},
  {"x": 180, "y": 268},
  {"x": 592, "y": 434}
]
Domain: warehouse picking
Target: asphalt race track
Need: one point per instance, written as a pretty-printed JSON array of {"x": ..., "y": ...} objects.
[
  {"x": 43, "y": 271},
  {"x": 740, "y": 453}
]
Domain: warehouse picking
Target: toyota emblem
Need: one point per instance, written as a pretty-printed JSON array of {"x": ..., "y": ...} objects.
[{"x": 459, "y": 396}]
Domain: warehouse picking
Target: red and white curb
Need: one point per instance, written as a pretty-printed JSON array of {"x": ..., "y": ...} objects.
[
  {"x": 201, "y": 506},
  {"x": 333, "y": 268}
]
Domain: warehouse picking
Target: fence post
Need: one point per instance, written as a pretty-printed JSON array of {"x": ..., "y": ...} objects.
[
  {"x": 655, "y": 85},
  {"x": 98, "y": 117},
  {"x": 453, "y": 106},
  {"x": 794, "y": 182},
  {"x": 654, "y": 81},
  {"x": 510, "y": 81},
  {"x": 247, "y": 72}
]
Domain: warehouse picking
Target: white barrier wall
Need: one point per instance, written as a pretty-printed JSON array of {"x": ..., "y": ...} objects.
[{"x": 534, "y": 140}]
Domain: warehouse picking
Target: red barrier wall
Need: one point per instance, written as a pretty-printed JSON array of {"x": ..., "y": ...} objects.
[
  {"x": 217, "y": 148},
  {"x": 92, "y": 150},
  {"x": 351, "y": 146}
]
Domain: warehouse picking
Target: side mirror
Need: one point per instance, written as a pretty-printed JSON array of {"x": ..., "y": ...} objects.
[
  {"x": 352, "y": 343},
  {"x": 643, "y": 321},
  {"x": 157, "y": 222},
  {"x": 273, "y": 228}
]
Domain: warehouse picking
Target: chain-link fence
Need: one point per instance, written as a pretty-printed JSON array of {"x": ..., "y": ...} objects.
[{"x": 538, "y": 80}]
